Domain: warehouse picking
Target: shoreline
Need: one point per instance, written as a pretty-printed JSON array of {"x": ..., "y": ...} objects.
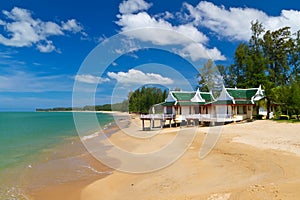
[
  {"x": 260, "y": 169},
  {"x": 84, "y": 111},
  {"x": 70, "y": 151},
  {"x": 246, "y": 171}
]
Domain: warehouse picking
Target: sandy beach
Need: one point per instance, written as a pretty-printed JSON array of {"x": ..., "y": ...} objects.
[{"x": 255, "y": 160}]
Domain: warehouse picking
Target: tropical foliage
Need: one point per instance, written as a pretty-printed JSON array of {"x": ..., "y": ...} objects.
[
  {"x": 141, "y": 100},
  {"x": 270, "y": 58}
]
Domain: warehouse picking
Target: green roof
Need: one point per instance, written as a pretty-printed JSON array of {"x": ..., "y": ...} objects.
[
  {"x": 222, "y": 102},
  {"x": 207, "y": 97},
  {"x": 189, "y": 103},
  {"x": 167, "y": 103},
  {"x": 187, "y": 96},
  {"x": 242, "y": 93},
  {"x": 183, "y": 96}
]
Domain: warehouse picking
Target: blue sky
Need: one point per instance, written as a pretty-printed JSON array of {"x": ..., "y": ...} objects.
[{"x": 43, "y": 46}]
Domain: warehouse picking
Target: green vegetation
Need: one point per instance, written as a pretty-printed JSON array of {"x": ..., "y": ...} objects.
[
  {"x": 287, "y": 120},
  {"x": 141, "y": 100},
  {"x": 270, "y": 58}
]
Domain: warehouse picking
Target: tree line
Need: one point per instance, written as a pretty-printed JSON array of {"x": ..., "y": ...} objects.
[
  {"x": 269, "y": 58},
  {"x": 142, "y": 99},
  {"x": 139, "y": 101}
]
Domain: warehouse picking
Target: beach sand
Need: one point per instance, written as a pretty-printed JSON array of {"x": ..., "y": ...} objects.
[{"x": 255, "y": 160}]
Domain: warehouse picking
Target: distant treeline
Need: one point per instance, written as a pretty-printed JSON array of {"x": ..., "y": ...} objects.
[
  {"x": 139, "y": 101},
  {"x": 122, "y": 107},
  {"x": 57, "y": 109}
]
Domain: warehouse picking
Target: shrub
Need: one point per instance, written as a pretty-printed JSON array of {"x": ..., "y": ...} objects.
[{"x": 284, "y": 117}]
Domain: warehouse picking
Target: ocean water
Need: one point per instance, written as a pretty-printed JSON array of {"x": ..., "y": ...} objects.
[{"x": 25, "y": 137}]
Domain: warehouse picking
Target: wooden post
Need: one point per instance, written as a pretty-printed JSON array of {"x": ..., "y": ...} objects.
[
  {"x": 143, "y": 124},
  {"x": 151, "y": 122}
]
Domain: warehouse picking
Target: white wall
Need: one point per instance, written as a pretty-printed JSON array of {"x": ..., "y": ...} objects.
[{"x": 185, "y": 110}]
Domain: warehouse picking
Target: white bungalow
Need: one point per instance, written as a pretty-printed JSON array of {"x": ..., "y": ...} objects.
[
  {"x": 232, "y": 104},
  {"x": 237, "y": 104},
  {"x": 186, "y": 103}
]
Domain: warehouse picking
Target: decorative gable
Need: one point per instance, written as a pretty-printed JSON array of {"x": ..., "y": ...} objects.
[
  {"x": 225, "y": 96},
  {"x": 197, "y": 97},
  {"x": 259, "y": 95},
  {"x": 170, "y": 98}
]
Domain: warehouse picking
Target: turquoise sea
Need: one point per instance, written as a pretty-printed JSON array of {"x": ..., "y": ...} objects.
[{"x": 25, "y": 136}]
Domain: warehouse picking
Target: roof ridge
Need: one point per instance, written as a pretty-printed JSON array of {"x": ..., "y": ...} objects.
[
  {"x": 191, "y": 92},
  {"x": 183, "y": 91},
  {"x": 242, "y": 88},
  {"x": 205, "y": 92}
]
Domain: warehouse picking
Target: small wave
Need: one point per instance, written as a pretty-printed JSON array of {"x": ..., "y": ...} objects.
[
  {"x": 87, "y": 137},
  {"x": 96, "y": 171}
]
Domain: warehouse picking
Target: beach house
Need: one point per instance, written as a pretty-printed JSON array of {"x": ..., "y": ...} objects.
[
  {"x": 231, "y": 105},
  {"x": 238, "y": 104}
]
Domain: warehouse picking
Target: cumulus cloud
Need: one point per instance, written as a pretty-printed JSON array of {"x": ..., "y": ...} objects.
[
  {"x": 147, "y": 29},
  {"x": 132, "y": 6},
  {"x": 134, "y": 76},
  {"x": 45, "y": 48},
  {"x": 22, "y": 30},
  {"x": 88, "y": 78},
  {"x": 143, "y": 21},
  {"x": 198, "y": 51},
  {"x": 71, "y": 25},
  {"x": 235, "y": 23}
]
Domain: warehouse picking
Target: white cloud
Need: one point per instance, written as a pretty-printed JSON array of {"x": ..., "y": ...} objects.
[
  {"x": 166, "y": 15},
  {"x": 88, "y": 78},
  {"x": 22, "y": 30},
  {"x": 143, "y": 22},
  {"x": 157, "y": 30},
  {"x": 128, "y": 46},
  {"x": 235, "y": 23},
  {"x": 138, "y": 77},
  {"x": 46, "y": 48},
  {"x": 132, "y": 6},
  {"x": 198, "y": 51},
  {"x": 51, "y": 28},
  {"x": 72, "y": 25}
]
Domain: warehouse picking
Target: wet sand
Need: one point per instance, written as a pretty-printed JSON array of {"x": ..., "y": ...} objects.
[{"x": 256, "y": 160}]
